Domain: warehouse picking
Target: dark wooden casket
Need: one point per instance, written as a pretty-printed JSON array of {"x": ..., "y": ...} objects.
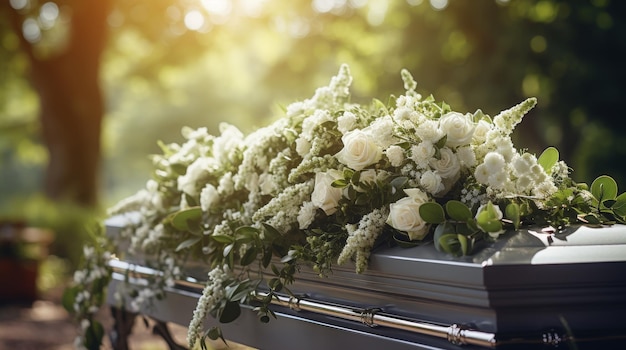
[{"x": 530, "y": 289}]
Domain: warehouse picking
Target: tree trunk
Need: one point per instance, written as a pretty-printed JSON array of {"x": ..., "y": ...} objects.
[{"x": 71, "y": 103}]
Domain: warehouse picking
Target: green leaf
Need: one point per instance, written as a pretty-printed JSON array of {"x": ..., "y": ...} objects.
[
  {"x": 432, "y": 213},
  {"x": 214, "y": 333},
  {"x": 238, "y": 292},
  {"x": 339, "y": 183},
  {"x": 231, "y": 312},
  {"x": 442, "y": 142},
  {"x": 348, "y": 173},
  {"x": 619, "y": 207},
  {"x": 270, "y": 232},
  {"x": 228, "y": 249},
  {"x": 93, "y": 335},
  {"x": 463, "y": 243},
  {"x": 487, "y": 222},
  {"x": 178, "y": 168},
  {"x": 458, "y": 211},
  {"x": 450, "y": 244},
  {"x": 403, "y": 241},
  {"x": 591, "y": 219},
  {"x": 69, "y": 296},
  {"x": 604, "y": 187},
  {"x": 188, "y": 243},
  {"x": 399, "y": 182},
  {"x": 548, "y": 159},
  {"x": 246, "y": 231},
  {"x": 512, "y": 212},
  {"x": 249, "y": 256},
  {"x": 224, "y": 239},
  {"x": 441, "y": 230},
  {"x": 182, "y": 219}
]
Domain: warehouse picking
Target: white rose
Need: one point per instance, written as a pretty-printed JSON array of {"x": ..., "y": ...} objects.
[
  {"x": 404, "y": 214},
  {"x": 359, "y": 150},
  {"x": 325, "y": 196},
  {"x": 431, "y": 182},
  {"x": 480, "y": 131},
  {"x": 447, "y": 165},
  {"x": 458, "y": 127}
]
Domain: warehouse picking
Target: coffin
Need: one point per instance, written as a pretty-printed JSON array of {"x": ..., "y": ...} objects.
[{"x": 531, "y": 289}]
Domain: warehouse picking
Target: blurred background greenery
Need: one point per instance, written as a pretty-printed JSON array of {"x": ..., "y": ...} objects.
[{"x": 131, "y": 72}]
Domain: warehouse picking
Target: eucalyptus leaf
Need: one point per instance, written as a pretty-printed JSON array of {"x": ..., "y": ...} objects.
[
  {"x": 458, "y": 211},
  {"x": 432, "y": 213},
  {"x": 512, "y": 212},
  {"x": 463, "y": 243},
  {"x": 450, "y": 244},
  {"x": 604, "y": 187},
  {"x": 440, "y": 230},
  {"x": 487, "y": 222},
  {"x": 548, "y": 159}
]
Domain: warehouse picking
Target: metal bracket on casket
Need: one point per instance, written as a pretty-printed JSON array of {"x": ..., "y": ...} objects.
[{"x": 528, "y": 290}]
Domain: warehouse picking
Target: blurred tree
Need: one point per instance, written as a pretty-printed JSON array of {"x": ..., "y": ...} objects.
[
  {"x": 197, "y": 62},
  {"x": 65, "y": 76}
]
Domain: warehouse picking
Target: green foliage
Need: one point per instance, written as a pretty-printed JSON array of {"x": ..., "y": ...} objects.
[
  {"x": 432, "y": 213},
  {"x": 548, "y": 159}
]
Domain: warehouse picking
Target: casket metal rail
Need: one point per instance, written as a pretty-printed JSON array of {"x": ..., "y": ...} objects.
[{"x": 531, "y": 289}]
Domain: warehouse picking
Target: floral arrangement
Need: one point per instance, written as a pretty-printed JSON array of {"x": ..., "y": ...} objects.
[{"x": 325, "y": 185}]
